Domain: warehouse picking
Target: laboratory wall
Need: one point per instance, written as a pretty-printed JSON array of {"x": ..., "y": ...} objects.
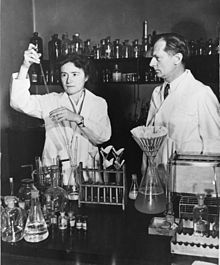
[{"x": 96, "y": 19}]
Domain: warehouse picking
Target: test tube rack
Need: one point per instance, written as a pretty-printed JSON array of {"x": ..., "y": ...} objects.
[
  {"x": 110, "y": 192},
  {"x": 184, "y": 242}
]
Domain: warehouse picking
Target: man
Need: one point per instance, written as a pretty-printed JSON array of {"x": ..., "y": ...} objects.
[{"x": 185, "y": 106}]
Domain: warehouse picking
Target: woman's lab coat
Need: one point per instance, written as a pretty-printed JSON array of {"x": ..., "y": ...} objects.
[{"x": 58, "y": 136}]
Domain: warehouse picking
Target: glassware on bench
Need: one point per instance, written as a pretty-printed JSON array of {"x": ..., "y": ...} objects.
[
  {"x": 56, "y": 194},
  {"x": 200, "y": 217},
  {"x": 36, "y": 227},
  {"x": 151, "y": 197},
  {"x": 12, "y": 226}
]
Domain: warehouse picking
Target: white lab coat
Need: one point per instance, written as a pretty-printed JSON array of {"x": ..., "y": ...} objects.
[
  {"x": 94, "y": 111},
  {"x": 191, "y": 113}
]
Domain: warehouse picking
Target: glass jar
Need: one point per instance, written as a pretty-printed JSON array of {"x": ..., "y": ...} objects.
[
  {"x": 24, "y": 193},
  {"x": 12, "y": 226}
]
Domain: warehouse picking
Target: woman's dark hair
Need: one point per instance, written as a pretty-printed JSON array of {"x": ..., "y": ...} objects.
[
  {"x": 175, "y": 43},
  {"x": 82, "y": 62}
]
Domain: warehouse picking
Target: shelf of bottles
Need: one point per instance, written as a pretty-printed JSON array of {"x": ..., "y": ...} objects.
[{"x": 121, "y": 61}]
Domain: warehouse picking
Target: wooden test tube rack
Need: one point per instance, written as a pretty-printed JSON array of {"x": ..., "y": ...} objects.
[{"x": 112, "y": 192}]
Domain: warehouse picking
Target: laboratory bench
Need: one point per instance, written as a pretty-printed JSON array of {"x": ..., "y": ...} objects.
[{"x": 114, "y": 237}]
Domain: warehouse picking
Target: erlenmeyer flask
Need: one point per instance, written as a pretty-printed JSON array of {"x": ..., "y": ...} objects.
[
  {"x": 36, "y": 227},
  {"x": 151, "y": 198}
]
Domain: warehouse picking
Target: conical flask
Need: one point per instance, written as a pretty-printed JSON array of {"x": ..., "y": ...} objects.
[
  {"x": 36, "y": 227},
  {"x": 151, "y": 197}
]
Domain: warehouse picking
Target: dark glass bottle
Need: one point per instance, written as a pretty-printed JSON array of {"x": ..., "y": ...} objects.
[
  {"x": 38, "y": 42},
  {"x": 54, "y": 48}
]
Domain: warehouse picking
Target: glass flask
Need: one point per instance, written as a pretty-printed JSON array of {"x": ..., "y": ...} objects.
[
  {"x": 200, "y": 217},
  {"x": 56, "y": 194},
  {"x": 133, "y": 192},
  {"x": 151, "y": 198},
  {"x": 12, "y": 226},
  {"x": 36, "y": 227},
  {"x": 24, "y": 192}
]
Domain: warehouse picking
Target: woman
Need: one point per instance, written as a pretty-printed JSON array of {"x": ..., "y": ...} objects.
[{"x": 76, "y": 120}]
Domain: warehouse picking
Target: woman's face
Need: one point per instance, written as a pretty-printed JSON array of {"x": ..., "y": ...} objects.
[{"x": 72, "y": 78}]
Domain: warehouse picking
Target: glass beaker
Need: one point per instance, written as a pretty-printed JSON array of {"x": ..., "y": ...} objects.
[{"x": 151, "y": 197}]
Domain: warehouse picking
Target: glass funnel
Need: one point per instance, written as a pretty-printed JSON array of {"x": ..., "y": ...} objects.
[{"x": 151, "y": 197}]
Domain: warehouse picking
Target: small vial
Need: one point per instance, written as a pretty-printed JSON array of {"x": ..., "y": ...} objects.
[
  {"x": 78, "y": 222},
  {"x": 72, "y": 219},
  {"x": 62, "y": 221},
  {"x": 133, "y": 192},
  {"x": 84, "y": 223}
]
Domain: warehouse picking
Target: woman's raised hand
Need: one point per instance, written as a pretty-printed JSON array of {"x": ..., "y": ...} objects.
[{"x": 31, "y": 56}]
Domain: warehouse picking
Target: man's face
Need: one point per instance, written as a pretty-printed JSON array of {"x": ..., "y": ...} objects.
[
  {"x": 164, "y": 63},
  {"x": 73, "y": 78}
]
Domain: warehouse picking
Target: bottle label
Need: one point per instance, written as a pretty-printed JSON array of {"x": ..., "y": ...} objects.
[{"x": 72, "y": 223}]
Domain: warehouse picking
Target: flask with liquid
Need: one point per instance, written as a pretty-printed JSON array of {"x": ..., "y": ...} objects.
[
  {"x": 12, "y": 226},
  {"x": 133, "y": 192},
  {"x": 200, "y": 217},
  {"x": 36, "y": 227}
]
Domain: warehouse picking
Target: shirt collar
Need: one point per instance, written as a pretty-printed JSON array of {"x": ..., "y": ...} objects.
[{"x": 175, "y": 83}]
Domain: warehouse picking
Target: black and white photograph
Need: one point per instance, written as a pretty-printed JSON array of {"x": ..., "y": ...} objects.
[{"x": 110, "y": 132}]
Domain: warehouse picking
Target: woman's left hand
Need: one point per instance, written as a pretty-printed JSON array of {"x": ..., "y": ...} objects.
[{"x": 64, "y": 114}]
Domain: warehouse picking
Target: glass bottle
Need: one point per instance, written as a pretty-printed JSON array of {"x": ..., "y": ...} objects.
[
  {"x": 102, "y": 48},
  {"x": 136, "y": 49},
  {"x": 57, "y": 194},
  {"x": 87, "y": 48},
  {"x": 108, "y": 48},
  {"x": 38, "y": 42},
  {"x": 116, "y": 74},
  {"x": 12, "y": 226},
  {"x": 117, "y": 49},
  {"x": 134, "y": 188},
  {"x": 36, "y": 227},
  {"x": 65, "y": 44},
  {"x": 126, "y": 49},
  {"x": 54, "y": 48},
  {"x": 24, "y": 192},
  {"x": 97, "y": 51},
  {"x": 200, "y": 217},
  {"x": 62, "y": 221},
  {"x": 145, "y": 39},
  {"x": 76, "y": 44},
  {"x": 72, "y": 219}
]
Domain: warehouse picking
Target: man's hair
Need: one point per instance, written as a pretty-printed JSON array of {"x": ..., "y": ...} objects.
[{"x": 175, "y": 43}]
